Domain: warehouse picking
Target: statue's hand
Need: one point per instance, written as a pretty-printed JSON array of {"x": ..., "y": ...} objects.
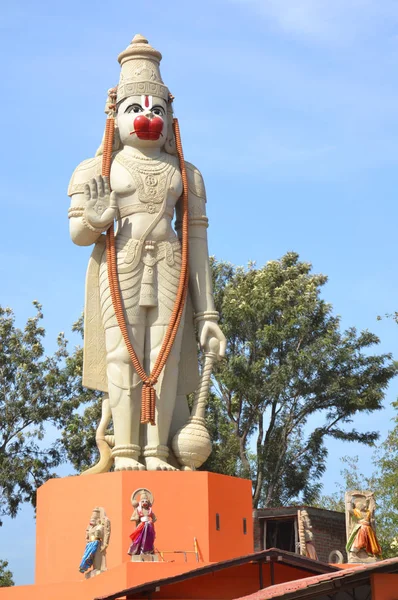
[
  {"x": 101, "y": 204},
  {"x": 211, "y": 338}
]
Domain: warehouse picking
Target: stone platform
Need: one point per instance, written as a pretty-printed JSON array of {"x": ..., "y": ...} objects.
[{"x": 214, "y": 509}]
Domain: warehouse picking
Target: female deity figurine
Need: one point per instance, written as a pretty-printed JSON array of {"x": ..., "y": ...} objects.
[
  {"x": 141, "y": 306},
  {"x": 97, "y": 540},
  {"x": 143, "y": 536},
  {"x": 362, "y": 544}
]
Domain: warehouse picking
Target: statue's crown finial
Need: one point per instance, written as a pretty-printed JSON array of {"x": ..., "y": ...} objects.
[
  {"x": 139, "y": 39},
  {"x": 139, "y": 48}
]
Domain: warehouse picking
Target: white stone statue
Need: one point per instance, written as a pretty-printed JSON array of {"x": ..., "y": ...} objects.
[{"x": 142, "y": 196}]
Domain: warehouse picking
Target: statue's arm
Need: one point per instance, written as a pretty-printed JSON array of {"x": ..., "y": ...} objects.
[
  {"x": 135, "y": 516},
  {"x": 200, "y": 282},
  {"x": 200, "y": 278}
]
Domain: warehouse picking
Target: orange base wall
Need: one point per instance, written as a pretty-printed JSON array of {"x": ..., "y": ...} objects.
[{"x": 186, "y": 504}]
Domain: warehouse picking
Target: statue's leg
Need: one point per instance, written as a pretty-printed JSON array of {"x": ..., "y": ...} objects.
[
  {"x": 156, "y": 450},
  {"x": 124, "y": 387},
  {"x": 97, "y": 560}
]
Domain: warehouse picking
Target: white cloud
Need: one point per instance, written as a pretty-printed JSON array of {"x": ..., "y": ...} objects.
[{"x": 326, "y": 21}]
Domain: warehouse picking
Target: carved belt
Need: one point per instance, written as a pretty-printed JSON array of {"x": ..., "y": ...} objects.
[{"x": 153, "y": 253}]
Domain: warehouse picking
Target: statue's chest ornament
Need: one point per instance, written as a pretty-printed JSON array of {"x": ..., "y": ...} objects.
[{"x": 152, "y": 179}]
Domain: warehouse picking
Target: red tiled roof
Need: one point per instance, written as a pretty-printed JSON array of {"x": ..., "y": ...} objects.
[
  {"x": 281, "y": 589},
  {"x": 273, "y": 554}
]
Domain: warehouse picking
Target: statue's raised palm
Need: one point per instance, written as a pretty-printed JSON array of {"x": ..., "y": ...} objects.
[{"x": 101, "y": 203}]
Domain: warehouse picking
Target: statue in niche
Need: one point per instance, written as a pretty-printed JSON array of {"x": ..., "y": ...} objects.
[
  {"x": 141, "y": 306},
  {"x": 362, "y": 545},
  {"x": 143, "y": 536},
  {"x": 97, "y": 540},
  {"x": 306, "y": 535}
]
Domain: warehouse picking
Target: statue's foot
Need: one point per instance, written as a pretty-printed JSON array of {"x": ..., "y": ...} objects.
[
  {"x": 123, "y": 463},
  {"x": 153, "y": 463}
]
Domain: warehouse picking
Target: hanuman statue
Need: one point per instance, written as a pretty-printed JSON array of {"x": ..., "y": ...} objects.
[
  {"x": 148, "y": 283},
  {"x": 143, "y": 536}
]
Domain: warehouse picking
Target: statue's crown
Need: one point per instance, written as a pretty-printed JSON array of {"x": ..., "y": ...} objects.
[{"x": 140, "y": 73}]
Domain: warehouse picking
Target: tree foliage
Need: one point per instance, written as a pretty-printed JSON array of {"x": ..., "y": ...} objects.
[
  {"x": 6, "y": 579},
  {"x": 383, "y": 481},
  {"x": 291, "y": 379},
  {"x": 78, "y": 435},
  {"x": 36, "y": 392}
]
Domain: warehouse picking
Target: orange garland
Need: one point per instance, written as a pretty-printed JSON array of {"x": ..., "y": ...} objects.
[{"x": 148, "y": 397}]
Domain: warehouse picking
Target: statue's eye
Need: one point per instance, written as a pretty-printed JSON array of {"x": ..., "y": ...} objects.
[
  {"x": 158, "y": 110},
  {"x": 136, "y": 108}
]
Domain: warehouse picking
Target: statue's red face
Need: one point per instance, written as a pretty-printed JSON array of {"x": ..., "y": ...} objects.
[
  {"x": 145, "y": 503},
  {"x": 142, "y": 118}
]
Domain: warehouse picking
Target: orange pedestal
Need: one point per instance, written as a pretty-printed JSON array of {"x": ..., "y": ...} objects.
[{"x": 215, "y": 509}]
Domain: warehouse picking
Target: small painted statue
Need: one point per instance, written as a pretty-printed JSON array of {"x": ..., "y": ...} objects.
[
  {"x": 307, "y": 545},
  {"x": 362, "y": 544},
  {"x": 143, "y": 537},
  {"x": 97, "y": 540}
]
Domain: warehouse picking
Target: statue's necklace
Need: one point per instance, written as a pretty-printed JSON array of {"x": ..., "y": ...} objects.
[{"x": 152, "y": 177}]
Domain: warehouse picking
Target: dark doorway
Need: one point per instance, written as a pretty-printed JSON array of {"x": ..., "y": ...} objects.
[{"x": 280, "y": 533}]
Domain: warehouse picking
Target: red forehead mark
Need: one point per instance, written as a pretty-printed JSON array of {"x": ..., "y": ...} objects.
[{"x": 146, "y": 101}]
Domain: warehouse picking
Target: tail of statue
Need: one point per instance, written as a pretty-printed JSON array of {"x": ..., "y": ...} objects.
[{"x": 104, "y": 442}]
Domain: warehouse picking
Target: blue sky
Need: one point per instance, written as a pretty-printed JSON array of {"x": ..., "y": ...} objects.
[{"x": 289, "y": 109}]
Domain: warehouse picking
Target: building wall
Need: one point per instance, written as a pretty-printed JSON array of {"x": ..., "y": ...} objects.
[
  {"x": 384, "y": 586},
  {"x": 257, "y": 531},
  {"x": 329, "y": 532},
  {"x": 235, "y": 582},
  {"x": 328, "y": 527}
]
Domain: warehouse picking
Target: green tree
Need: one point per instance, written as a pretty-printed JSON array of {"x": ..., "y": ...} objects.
[
  {"x": 291, "y": 379},
  {"x": 36, "y": 392},
  {"x": 78, "y": 435},
  {"x": 383, "y": 481},
  {"x": 6, "y": 579},
  {"x": 351, "y": 479}
]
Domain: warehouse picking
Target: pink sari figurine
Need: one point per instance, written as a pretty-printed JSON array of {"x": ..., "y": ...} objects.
[{"x": 143, "y": 537}]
